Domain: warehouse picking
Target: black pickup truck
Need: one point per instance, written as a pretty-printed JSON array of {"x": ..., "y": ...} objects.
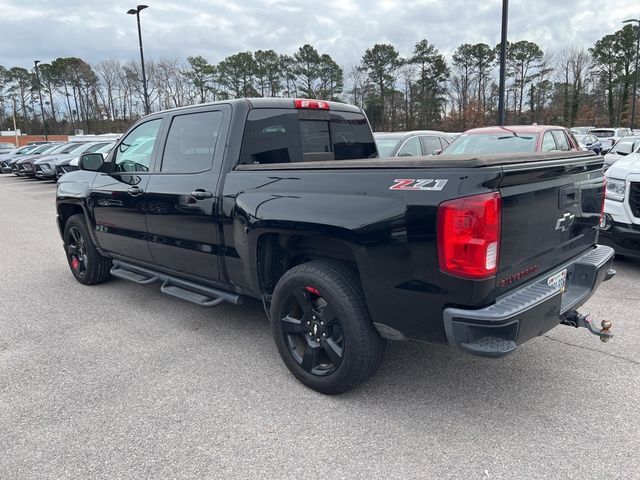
[{"x": 286, "y": 201}]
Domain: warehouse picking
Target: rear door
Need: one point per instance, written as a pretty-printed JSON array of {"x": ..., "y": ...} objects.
[
  {"x": 181, "y": 202},
  {"x": 550, "y": 213}
]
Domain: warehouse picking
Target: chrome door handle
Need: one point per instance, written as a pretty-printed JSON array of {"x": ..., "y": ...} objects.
[
  {"x": 201, "y": 194},
  {"x": 134, "y": 191}
]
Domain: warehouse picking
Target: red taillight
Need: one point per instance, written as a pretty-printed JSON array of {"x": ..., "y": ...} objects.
[
  {"x": 469, "y": 235},
  {"x": 311, "y": 104}
]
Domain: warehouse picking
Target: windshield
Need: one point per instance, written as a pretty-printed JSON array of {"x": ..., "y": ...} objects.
[
  {"x": 492, "y": 143},
  {"x": 45, "y": 149},
  {"x": 386, "y": 144},
  {"x": 73, "y": 147},
  {"x": 94, "y": 147},
  {"x": 105, "y": 148},
  {"x": 603, "y": 133},
  {"x": 27, "y": 149},
  {"x": 58, "y": 148},
  {"x": 625, "y": 145}
]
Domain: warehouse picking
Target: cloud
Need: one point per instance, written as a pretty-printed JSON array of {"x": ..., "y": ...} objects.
[{"x": 90, "y": 30}]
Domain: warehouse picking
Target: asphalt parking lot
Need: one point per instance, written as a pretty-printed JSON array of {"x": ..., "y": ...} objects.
[{"x": 120, "y": 381}]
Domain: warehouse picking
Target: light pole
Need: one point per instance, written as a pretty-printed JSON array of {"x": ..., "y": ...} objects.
[
  {"x": 635, "y": 80},
  {"x": 503, "y": 61},
  {"x": 44, "y": 122},
  {"x": 136, "y": 11}
]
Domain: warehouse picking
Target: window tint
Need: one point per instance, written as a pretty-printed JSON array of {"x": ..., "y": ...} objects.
[
  {"x": 430, "y": 144},
  {"x": 315, "y": 136},
  {"x": 191, "y": 142},
  {"x": 410, "y": 148},
  {"x": 561, "y": 140},
  {"x": 548, "y": 143},
  {"x": 285, "y": 135},
  {"x": 134, "y": 153}
]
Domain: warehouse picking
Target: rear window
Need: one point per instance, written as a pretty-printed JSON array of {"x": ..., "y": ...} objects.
[
  {"x": 386, "y": 145},
  {"x": 285, "y": 135},
  {"x": 603, "y": 133},
  {"x": 492, "y": 143}
]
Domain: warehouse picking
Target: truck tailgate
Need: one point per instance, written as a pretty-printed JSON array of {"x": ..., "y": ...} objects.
[{"x": 550, "y": 213}]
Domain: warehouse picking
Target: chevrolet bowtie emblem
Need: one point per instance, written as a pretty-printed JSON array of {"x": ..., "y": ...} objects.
[{"x": 565, "y": 222}]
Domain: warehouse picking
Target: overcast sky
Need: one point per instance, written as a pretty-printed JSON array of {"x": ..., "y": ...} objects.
[{"x": 97, "y": 30}]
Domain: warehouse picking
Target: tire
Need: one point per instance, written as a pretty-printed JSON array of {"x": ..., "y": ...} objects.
[
  {"x": 322, "y": 327},
  {"x": 86, "y": 263}
]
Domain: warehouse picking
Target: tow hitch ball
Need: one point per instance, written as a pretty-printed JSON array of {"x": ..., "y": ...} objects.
[{"x": 578, "y": 320}]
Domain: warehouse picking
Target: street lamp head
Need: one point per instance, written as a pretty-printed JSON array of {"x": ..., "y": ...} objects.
[
  {"x": 138, "y": 9},
  {"x": 631, "y": 20},
  {"x": 36, "y": 62}
]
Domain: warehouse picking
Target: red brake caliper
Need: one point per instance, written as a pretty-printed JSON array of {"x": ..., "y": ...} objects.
[
  {"x": 75, "y": 263},
  {"x": 313, "y": 290}
]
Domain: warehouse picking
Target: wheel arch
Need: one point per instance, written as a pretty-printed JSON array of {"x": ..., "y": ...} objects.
[
  {"x": 66, "y": 210},
  {"x": 278, "y": 252}
]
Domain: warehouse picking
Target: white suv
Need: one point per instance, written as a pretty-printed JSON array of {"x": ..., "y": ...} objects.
[
  {"x": 620, "y": 225},
  {"x": 623, "y": 147},
  {"x": 609, "y": 136}
]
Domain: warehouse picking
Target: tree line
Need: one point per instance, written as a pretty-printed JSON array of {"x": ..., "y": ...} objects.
[{"x": 573, "y": 86}]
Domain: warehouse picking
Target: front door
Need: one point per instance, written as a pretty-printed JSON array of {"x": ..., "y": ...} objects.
[
  {"x": 117, "y": 198},
  {"x": 181, "y": 196}
]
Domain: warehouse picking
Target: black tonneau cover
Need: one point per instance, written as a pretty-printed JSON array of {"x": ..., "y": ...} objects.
[{"x": 438, "y": 161}]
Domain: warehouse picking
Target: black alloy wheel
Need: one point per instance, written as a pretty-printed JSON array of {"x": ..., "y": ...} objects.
[
  {"x": 322, "y": 327},
  {"x": 76, "y": 251},
  {"x": 312, "y": 332},
  {"x": 86, "y": 263}
]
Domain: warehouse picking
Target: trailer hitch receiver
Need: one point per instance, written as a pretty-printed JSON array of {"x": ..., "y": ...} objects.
[{"x": 577, "y": 320}]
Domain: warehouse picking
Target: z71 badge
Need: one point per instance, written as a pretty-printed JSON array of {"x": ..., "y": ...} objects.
[{"x": 434, "y": 185}]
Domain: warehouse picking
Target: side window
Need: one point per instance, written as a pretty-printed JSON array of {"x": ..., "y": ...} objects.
[
  {"x": 561, "y": 140},
  {"x": 548, "y": 143},
  {"x": 133, "y": 154},
  {"x": 410, "y": 148},
  {"x": 191, "y": 142},
  {"x": 430, "y": 144}
]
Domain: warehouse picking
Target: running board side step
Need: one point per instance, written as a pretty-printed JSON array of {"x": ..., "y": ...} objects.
[{"x": 201, "y": 295}]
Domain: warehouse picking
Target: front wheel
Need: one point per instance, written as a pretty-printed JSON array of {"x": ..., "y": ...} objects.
[
  {"x": 86, "y": 263},
  {"x": 322, "y": 328}
]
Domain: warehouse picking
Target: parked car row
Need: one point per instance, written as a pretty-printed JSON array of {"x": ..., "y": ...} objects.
[{"x": 49, "y": 161}]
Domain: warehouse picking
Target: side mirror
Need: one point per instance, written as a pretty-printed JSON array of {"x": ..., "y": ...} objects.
[
  {"x": 437, "y": 152},
  {"x": 91, "y": 162},
  {"x": 405, "y": 154}
]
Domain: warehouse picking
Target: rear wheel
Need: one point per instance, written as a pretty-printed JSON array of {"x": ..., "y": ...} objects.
[
  {"x": 322, "y": 328},
  {"x": 86, "y": 263}
]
